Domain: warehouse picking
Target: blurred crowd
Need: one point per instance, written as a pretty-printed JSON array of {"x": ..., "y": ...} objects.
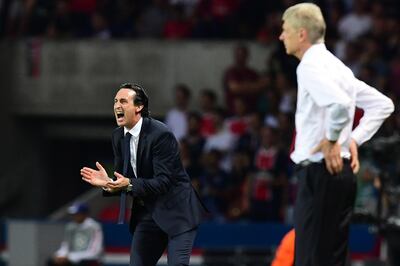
[
  {"x": 237, "y": 156},
  {"x": 183, "y": 19},
  {"x": 236, "y": 148}
]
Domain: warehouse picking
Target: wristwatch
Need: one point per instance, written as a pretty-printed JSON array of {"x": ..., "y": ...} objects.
[{"x": 129, "y": 187}]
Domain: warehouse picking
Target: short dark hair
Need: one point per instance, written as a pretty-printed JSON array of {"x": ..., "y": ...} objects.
[
  {"x": 210, "y": 94},
  {"x": 141, "y": 97},
  {"x": 183, "y": 88}
]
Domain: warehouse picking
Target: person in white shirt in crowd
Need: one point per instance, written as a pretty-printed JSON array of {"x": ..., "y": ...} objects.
[
  {"x": 325, "y": 150},
  {"x": 82, "y": 244},
  {"x": 356, "y": 23},
  {"x": 177, "y": 117},
  {"x": 223, "y": 140}
]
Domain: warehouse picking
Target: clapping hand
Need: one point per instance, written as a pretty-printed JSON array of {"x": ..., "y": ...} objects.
[
  {"x": 97, "y": 178},
  {"x": 120, "y": 183}
]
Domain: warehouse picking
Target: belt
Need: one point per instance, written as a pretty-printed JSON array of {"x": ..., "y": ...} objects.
[
  {"x": 304, "y": 163},
  {"x": 307, "y": 162}
]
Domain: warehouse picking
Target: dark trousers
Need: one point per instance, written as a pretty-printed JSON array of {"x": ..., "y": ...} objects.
[
  {"x": 323, "y": 211},
  {"x": 149, "y": 243}
]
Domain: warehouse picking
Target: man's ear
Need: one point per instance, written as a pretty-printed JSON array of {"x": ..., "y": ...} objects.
[
  {"x": 303, "y": 34},
  {"x": 139, "y": 108}
]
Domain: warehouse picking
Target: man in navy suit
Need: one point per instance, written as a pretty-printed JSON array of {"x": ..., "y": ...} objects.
[{"x": 166, "y": 210}]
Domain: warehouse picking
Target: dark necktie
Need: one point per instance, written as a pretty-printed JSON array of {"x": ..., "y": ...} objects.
[{"x": 127, "y": 170}]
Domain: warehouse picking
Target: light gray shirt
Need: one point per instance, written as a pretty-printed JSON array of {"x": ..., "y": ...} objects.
[
  {"x": 82, "y": 241},
  {"x": 327, "y": 96}
]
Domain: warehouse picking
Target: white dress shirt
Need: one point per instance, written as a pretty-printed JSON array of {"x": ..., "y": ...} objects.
[
  {"x": 327, "y": 96},
  {"x": 134, "y": 141}
]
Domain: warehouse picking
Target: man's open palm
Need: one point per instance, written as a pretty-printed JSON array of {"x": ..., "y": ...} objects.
[{"x": 98, "y": 178}]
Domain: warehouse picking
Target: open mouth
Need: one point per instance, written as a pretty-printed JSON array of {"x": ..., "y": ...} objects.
[{"x": 119, "y": 114}]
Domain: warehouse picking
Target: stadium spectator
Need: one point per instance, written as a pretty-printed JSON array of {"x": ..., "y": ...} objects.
[
  {"x": 238, "y": 205},
  {"x": 208, "y": 104},
  {"x": 99, "y": 26},
  {"x": 356, "y": 23},
  {"x": 367, "y": 189},
  {"x": 177, "y": 26},
  {"x": 194, "y": 142},
  {"x": 239, "y": 80},
  {"x": 268, "y": 184},
  {"x": 251, "y": 139},
  {"x": 81, "y": 12},
  {"x": 223, "y": 140},
  {"x": 238, "y": 122},
  {"x": 60, "y": 25},
  {"x": 269, "y": 31},
  {"x": 82, "y": 244},
  {"x": 177, "y": 117},
  {"x": 150, "y": 23},
  {"x": 217, "y": 18},
  {"x": 213, "y": 182}
]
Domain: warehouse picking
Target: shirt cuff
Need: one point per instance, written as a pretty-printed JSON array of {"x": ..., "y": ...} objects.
[
  {"x": 357, "y": 138},
  {"x": 333, "y": 135}
]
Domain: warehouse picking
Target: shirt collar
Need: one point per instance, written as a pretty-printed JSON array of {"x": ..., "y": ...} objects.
[
  {"x": 135, "y": 131},
  {"x": 314, "y": 49}
]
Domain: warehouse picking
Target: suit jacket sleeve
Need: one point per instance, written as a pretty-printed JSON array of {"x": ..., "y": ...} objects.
[{"x": 165, "y": 160}]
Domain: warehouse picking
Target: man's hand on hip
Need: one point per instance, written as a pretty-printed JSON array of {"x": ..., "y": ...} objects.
[
  {"x": 355, "y": 163},
  {"x": 331, "y": 151}
]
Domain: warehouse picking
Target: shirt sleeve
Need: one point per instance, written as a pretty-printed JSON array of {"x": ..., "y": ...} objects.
[
  {"x": 325, "y": 92},
  {"x": 62, "y": 251},
  {"x": 376, "y": 106}
]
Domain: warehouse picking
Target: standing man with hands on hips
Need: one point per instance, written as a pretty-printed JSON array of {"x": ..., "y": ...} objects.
[
  {"x": 326, "y": 146},
  {"x": 166, "y": 210}
]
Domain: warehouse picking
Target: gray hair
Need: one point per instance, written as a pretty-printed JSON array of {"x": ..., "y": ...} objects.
[{"x": 309, "y": 17}]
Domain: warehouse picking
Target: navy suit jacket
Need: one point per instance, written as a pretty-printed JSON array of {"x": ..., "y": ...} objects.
[{"x": 162, "y": 182}]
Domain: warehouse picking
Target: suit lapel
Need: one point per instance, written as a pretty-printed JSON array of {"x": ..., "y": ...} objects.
[
  {"x": 142, "y": 144},
  {"x": 117, "y": 143},
  {"x": 121, "y": 142}
]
